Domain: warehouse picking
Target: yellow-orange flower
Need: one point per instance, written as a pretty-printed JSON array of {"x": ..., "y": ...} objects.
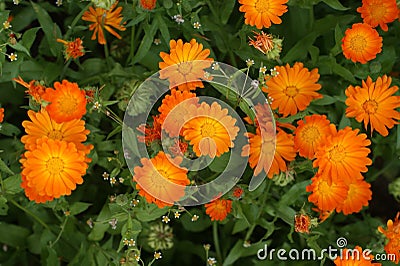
[
  {"x": 309, "y": 134},
  {"x": 35, "y": 89},
  {"x": 358, "y": 195},
  {"x": 107, "y": 19},
  {"x": 344, "y": 155},
  {"x": 393, "y": 235},
  {"x": 1, "y": 115},
  {"x": 209, "y": 129},
  {"x": 32, "y": 194},
  {"x": 361, "y": 43},
  {"x": 374, "y": 103},
  {"x": 355, "y": 257},
  {"x": 378, "y": 12},
  {"x": 218, "y": 209},
  {"x": 54, "y": 168},
  {"x": 67, "y": 101},
  {"x": 293, "y": 88},
  {"x": 73, "y": 49},
  {"x": 157, "y": 177},
  {"x": 184, "y": 65},
  {"x": 262, "y": 13}
]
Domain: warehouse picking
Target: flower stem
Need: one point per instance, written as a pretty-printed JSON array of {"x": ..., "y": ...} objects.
[
  {"x": 216, "y": 241},
  {"x": 59, "y": 234},
  {"x": 30, "y": 213}
]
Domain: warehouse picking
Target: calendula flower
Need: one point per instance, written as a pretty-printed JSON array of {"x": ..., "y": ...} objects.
[
  {"x": 392, "y": 233},
  {"x": 104, "y": 19},
  {"x": 309, "y": 134},
  {"x": 355, "y": 257},
  {"x": 66, "y": 101},
  {"x": 293, "y": 88},
  {"x": 151, "y": 133},
  {"x": 73, "y": 49},
  {"x": 210, "y": 129},
  {"x": 54, "y": 168},
  {"x": 361, "y": 43},
  {"x": 1, "y": 115},
  {"x": 237, "y": 192},
  {"x": 35, "y": 89},
  {"x": 148, "y": 4},
  {"x": 344, "y": 155},
  {"x": 302, "y": 223},
  {"x": 262, "y": 13},
  {"x": 374, "y": 103},
  {"x": 185, "y": 64},
  {"x": 218, "y": 209},
  {"x": 378, "y": 12},
  {"x": 267, "y": 44},
  {"x": 358, "y": 195},
  {"x": 32, "y": 194},
  {"x": 156, "y": 179}
]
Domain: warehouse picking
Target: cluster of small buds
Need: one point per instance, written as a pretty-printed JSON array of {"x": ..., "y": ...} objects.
[
  {"x": 211, "y": 261},
  {"x": 105, "y": 175},
  {"x": 157, "y": 255},
  {"x": 129, "y": 242},
  {"x": 196, "y": 25},
  {"x": 165, "y": 219},
  {"x": 157, "y": 41},
  {"x": 195, "y": 218},
  {"x": 215, "y": 66},
  {"x": 206, "y": 247},
  {"x": 177, "y": 215},
  {"x": 113, "y": 223},
  {"x": 178, "y": 19},
  {"x": 249, "y": 62},
  {"x": 274, "y": 72}
]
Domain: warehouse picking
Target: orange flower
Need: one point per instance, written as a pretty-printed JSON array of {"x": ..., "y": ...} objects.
[
  {"x": 355, "y": 257},
  {"x": 218, "y": 209},
  {"x": 157, "y": 177},
  {"x": 67, "y": 101},
  {"x": 361, "y": 43},
  {"x": 107, "y": 19},
  {"x": 393, "y": 235},
  {"x": 1, "y": 115},
  {"x": 148, "y": 4},
  {"x": 185, "y": 64},
  {"x": 374, "y": 103},
  {"x": 209, "y": 129},
  {"x": 262, "y": 13},
  {"x": 378, "y": 12},
  {"x": 237, "y": 192},
  {"x": 35, "y": 89},
  {"x": 53, "y": 169},
  {"x": 151, "y": 133},
  {"x": 358, "y": 195},
  {"x": 327, "y": 193},
  {"x": 344, "y": 155},
  {"x": 302, "y": 223},
  {"x": 32, "y": 194},
  {"x": 293, "y": 88},
  {"x": 73, "y": 49},
  {"x": 309, "y": 135}
]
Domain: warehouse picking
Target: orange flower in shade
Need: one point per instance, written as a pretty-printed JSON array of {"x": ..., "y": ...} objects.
[
  {"x": 150, "y": 133},
  {"x": 209, "y": 129},
  {"x": 327, "y": 193},
  {"x": 1, "y": 115},
  {"x": 43, "y": 126},
  {"x": 185, "y": 64},
  {"x": 107, "y": 19},
  {"x": 67, "y": 101},
  {"x": 378, "y": 12},
  {"x": 344, "y": 155},
  {"x": 361, "y": 43},
  {"x": 73, "y": 49},
  {"x": 53, "y": 169},
  {"x": 358, "y": 195},
  {"x": 218, "y": 209},
  {"x": 293, "y": 88},
  {"x": 262, "y": 13},
  {"x": 309, "y": 134},
  {"x": 35, "y": 89},
  {"x": 156, "y": 179},
  {"x": 148, "y": 4},
  {"x": 355, "y": 257},
  {"x": 393, "y": 235},
  {"x": 32, "y": 194},
  {"x": 374, "y": 103},
  {"x": 237, "y": 192}
]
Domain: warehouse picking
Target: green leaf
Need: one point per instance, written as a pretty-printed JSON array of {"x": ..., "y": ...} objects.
[
  {"x": 344, "y": 122},
  {"x": 163, "y": 28},
  {"x": 294, "y": 193},
  {"x": 12, "y": 185},
  {"x": 299, "y": 50},
  {"x": 78, "y": 207},
  {"x": 227, "y": 8},
  {"x": 240, "y": 225},
  {"x": 145, "y": 45},
  {"x": 3, "y": 206},
  {"x": 335, "y": 4},
  {"x": 168, "y": 4},
  {"x": 4, "y": 168},
  {"x": 139, "y": 18},
  {"x": 9, "y": 129},
  {"x": 19, "y": 47},
  {"x": 51, "y": 257},
  {"x": 150, "y": 212},
  {"x": 326, "y": 100},
  {"x": 13, "y": 235},
  {"x": 200, "y": 225},
  {"x": 29, "y": 37},
  {"x": 343, "y": 72},
  {"x": 238, "y": 251}
]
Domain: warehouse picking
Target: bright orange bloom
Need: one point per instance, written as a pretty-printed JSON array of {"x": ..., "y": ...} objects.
[
  {"x": 54, "y": 168},
  {"x": 302, "y": 223},
  {"x": 355, "y": 257},
  {"x": 327, "y": 193},
  {"x": 361, "y": 43},
  {"x": 32, "y": 194},
  {"x": 237, "y": 192},
  {"x": 393, "y": 235},
  {"x": 209, "y": 129},
  {"x": 374, "y": 103},
  {"x": 309, "y": 134},
  {"x": 1, "y": 115},
  {"x": 35, "y": 89},
  {"x": 262, "y": 13},
  {"x": 151, "y": 133},
  {"x": 344, "y": 155},
  {"x": 67, "y": 101},
  {"x": 107, "y": 19},
  {"x": 148, "y": 4},
  {"x": 73, "y": 49},
  {"x": 218, "y": 209},
  {"x": 184, "y": 65},
  {"x": 378, "y": 12},
  {"x": 157, "y": 177},
  {"x": 323, "y": 215},
  {"x": 293, "y": 88},
  {"x": 358, "y": 195}
]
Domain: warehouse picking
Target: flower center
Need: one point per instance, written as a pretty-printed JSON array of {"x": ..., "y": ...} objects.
[
  {"x": 185, "y": 68},
  {"x": 291, "y": 91},
  {"x": 55, "y": 166},
  {"x": 337, "y": 154},
  {"x": 370, "y": 106},
  {"x": 310, "y": 134},
  {"x": 262, "y": 6},
  {"x": 207, "y": 130},
  {"x": 67, "y": 104},
  {"x": 324, "y": 188},
  {"x": 55, "y": 134},
  {"x": 378, "y": 11},
  {"x": 358, "y": 43}
]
